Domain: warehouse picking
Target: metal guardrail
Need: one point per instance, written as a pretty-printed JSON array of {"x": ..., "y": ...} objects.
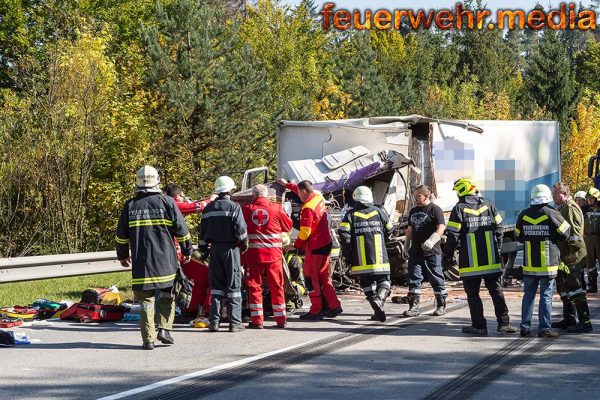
[{"x": 58, "y": 266}]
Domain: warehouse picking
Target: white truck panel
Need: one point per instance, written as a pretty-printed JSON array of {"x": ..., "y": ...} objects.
[{"x": 507, "y": 160}]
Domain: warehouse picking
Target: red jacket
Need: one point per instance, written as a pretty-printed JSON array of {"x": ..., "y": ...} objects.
[
  {"x": 195, "y": 207},
  {"x": 266, "y": 222},
  {"x": 314, "y": 225}
]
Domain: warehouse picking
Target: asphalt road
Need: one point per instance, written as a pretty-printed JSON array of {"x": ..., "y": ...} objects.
[{"x": 347, "y": 358}]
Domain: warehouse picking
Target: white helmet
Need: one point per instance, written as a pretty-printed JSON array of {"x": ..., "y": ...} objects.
[
  {"x": 147, "y": 177},
  {"x": 541, "y": 194},
  {"x": 580, "y": 195},
  {"x": 363, "y": 195},
  {"x": 224, "y": 184}
]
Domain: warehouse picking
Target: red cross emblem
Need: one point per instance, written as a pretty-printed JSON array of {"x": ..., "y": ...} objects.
[{"x": 260, "y": 216}]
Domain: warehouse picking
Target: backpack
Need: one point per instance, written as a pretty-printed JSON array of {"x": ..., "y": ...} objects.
[
  {"x": 94, "y": 312},
  {"x": 100, "y": 296}
]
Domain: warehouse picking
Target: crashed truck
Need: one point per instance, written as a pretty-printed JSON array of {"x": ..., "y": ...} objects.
[{"x": 392, "y": 155}]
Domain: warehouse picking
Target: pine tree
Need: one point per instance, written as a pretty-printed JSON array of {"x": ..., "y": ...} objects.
[
  {"x": 550, "y": 79},
  {"x": 213, "y": 91}
]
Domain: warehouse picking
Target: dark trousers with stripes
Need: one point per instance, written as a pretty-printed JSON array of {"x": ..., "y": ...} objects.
[{"x": 225, "y": 281}]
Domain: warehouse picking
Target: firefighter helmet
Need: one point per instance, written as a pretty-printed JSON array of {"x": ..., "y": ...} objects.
[
  {"x": 363, "y": 195},
  {"x": 541, "y": 194},
  {"x": 147, "y": 177},
  {"x": 224, "y": 184},
  {"x": 579, "y": 195},
  {"x": 465, "y": 186},
  {"x": 593, "y": 192}
]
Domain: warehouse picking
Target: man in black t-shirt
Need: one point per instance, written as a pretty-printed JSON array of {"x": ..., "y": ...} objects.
[{"x": 425, "y": 229}]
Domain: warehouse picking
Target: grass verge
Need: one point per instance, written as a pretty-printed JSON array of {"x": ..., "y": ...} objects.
[{"x": 23, "y": 293}]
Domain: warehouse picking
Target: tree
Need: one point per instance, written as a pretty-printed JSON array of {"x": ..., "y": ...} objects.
[
  {"x": 550, "y": 81},
  {"x": 588, "y": 66},
  {"x": 213, "y": 94}
]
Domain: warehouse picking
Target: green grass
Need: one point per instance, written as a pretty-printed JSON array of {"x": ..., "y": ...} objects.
[{"x": 23, "y": 293}]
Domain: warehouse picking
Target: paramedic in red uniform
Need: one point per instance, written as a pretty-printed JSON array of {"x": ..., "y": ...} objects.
[
  {"x": 193, "y": 270},
  {"x": 315, "y": 239},
  {"x": 266, "y": 222}
]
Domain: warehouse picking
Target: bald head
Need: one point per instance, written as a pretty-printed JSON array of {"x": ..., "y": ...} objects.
[{"x": 260, "y": 191}]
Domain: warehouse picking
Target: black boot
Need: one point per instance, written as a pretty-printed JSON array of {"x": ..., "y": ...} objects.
[
  {"x": 568, "y": 320},
  {"x": 583, "y": 314},
  {"x": 164, "y": 336},
  {"x": 440, "y": 305},
  {"x": 593, "y": 282},
  {"x": 379, "y": 302},
  {"x": 413, "y": 303}
]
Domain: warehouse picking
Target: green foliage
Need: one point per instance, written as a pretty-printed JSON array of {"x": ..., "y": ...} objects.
[
  {"x": 90, "y": 90},
  {"x": 24, "y": 293}
]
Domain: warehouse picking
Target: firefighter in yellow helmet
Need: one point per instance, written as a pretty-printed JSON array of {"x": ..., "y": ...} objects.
[{"x": 476, "y": 226}]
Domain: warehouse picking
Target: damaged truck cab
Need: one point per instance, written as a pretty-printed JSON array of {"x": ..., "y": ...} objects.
[{"x": 392, "y": 155}]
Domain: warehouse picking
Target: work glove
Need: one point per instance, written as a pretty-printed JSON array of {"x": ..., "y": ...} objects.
[
  {"x": 563, "y": 267},
  {"x": 405, "y": 248},
  {"x": 429, "y": 243},
  {"x": 244, "y": 246}
]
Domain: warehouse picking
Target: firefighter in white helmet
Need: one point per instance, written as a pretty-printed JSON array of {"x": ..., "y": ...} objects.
[
  {"x": 148, "y": 224},
  {"x": 223, "y": 229},
  {"x": 579, "y": 198},
  {"x": 362, "y": 234},
  {"x": 539, "y": 228}
]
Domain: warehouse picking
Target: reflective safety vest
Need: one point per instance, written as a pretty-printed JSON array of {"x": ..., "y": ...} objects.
[
  {"x": 362, "y": 234},
  {"x": 475, "y": 224},
  {"x": 266, "y": 223},
  {"x": 314, "y": 226},
  {"x": 539, "y": 228},
  {"x": 148, "y": 224}
]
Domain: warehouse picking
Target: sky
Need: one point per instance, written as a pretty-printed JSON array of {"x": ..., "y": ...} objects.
[{"x": 427, "y": 4}]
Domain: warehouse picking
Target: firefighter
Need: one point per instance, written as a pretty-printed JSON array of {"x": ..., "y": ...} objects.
[
  {"x": 476, "y": 226},
  {"x": 591, "y": 236},
  {"x": 572, "y": 256},
  {"x": 266, "y": 223},
  {"x": 362, "y": 233},
  {"x": 148, "y": 223},
  {"x": 315, "y": 240},
  {"x": 425, "y": 228},
  {"x": 579, "y": 198},
  {"x": 195, "y": 270},
  {"x": 539, "y": 228},
  {"x": 223, "y": 234}
]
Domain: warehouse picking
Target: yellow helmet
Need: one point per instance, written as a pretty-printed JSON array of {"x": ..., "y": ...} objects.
[
  {"x": 593, "y": 192},
  {"x": 465, "y": 186}
]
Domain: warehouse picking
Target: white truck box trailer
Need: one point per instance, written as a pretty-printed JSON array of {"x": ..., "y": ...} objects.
[{"x": 507, "y": 158}]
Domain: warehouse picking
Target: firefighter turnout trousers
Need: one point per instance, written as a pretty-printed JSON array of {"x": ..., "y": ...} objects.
[
  {"x": 225, "y": 273},
  {"x": 150, "y": 319},
  {"x": 274, "y": 274},
  {"x": 492, "y": 283}
]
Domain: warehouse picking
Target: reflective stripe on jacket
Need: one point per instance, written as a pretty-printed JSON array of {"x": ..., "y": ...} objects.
[
  {"x": 266, "y": 223},
  {"x": 539, "y": 228},
  {"x": 222, "y": 222},
  {"x": 148, "y": 224},
  {"x": 476, "y": 224},
  {"x": 362, "y": 233},
  {"x": 571, "y": 212},
  {"x": 314, "y": 226}
]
